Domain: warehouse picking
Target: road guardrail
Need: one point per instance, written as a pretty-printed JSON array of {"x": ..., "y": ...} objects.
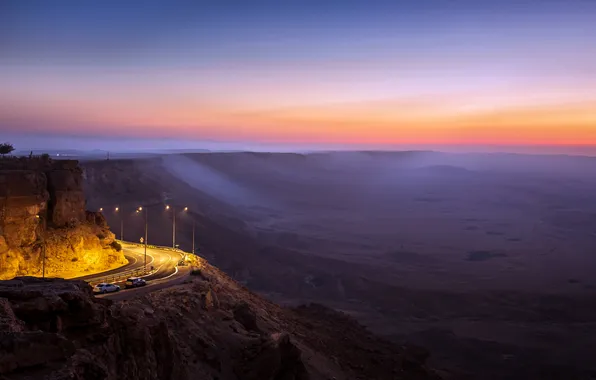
[
  {"x": 178, "y": 250},
  {"x": 120, "y": 276},
  {"x": 153, "y": 246}
]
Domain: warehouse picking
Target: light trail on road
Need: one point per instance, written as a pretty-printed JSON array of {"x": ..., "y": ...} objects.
[{"x": 166, "y": 274}]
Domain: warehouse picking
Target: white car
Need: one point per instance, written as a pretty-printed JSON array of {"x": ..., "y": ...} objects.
[{"x": 105, "y": 288}]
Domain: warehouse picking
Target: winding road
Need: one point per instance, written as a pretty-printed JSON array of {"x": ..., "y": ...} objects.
[{"x": 166, "y": 271}]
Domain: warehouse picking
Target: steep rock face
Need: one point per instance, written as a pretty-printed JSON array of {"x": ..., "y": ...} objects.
[
  {"x": 56, "y": 329},
  {"x": 67, "y": 200},
  {"x": 42, "y": 206},
  {"x": 23, "y": 196}
]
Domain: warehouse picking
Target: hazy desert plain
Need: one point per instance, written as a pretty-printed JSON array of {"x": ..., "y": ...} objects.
[{"x": 488, "y": 260}]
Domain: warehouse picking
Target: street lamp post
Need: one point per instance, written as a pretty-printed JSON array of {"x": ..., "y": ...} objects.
[
  {"x": 145, "y": 240},
  {"x": 43, "y": 269},
  {"x": 43, "y": 249},
  {"x": 146, "y": 230},
  {"x": 173, "y": 228},
  {"x": 117, "y": 209},
  {"x": 43, "y": 262},
  {"x": 173, "y": 225},
  {"x": 193, "y": 236}
]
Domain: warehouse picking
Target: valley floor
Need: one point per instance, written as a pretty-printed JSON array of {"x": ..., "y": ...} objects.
[{"x": 490, "y": 267}]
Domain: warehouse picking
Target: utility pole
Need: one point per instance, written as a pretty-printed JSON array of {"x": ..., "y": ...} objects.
[
  {"x": 117, "y": 209},
  {"x": 43, "y": 262},
  {"x": 3, "y": 217},
  {"x": 146, "y": 224},
  {"x": 43, "y": 247},
  {"x": 173, "y": 227},
  {"x": 173, "y": 208},
  {"x": 193, "y": 236}
]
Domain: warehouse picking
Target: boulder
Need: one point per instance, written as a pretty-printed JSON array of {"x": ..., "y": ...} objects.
[
  {"x": 8, "y": 321},
  {"x": 52, "y": 305},
  {"x": 96, "y": 218},
  {"x": 32, "y": 349},
  {"x": 246, "y": 317}
]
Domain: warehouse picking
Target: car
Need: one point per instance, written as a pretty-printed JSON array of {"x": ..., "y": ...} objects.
[
  {"x": 134, "y": 282},
  {"x": 105, "y": 288}
]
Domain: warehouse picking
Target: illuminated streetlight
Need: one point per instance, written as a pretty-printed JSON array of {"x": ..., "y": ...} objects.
[
  {"x": 173, "y": 225},
  {"x": 100, "y": 209},
  {"x": 193, "y": 236},
  {"x": 43, "y": 247},
  {"x": 146, "y": 230},
  {"x": 121, "y": 224},
  {"x": 186, "y": 209}
]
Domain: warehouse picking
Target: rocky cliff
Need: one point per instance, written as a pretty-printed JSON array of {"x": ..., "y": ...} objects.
[
  {"x": 209, "y": 327},
  {"x": 42, "y": 213}
]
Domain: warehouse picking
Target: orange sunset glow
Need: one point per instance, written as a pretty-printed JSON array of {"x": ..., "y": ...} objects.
[
  {"x": 425, "y": 120},
  {"x": 475, "y": 77}
]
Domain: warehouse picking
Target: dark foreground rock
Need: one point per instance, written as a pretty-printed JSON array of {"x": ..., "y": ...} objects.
[{"x": 208, "y": 328}]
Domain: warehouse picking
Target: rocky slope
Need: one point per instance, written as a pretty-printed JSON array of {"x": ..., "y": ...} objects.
[
  {"x": 42, "y": 206},
  {"x": 210, "y": 327}
]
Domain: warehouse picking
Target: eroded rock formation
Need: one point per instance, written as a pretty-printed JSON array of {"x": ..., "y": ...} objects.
[{"x": 42, "y": 208}]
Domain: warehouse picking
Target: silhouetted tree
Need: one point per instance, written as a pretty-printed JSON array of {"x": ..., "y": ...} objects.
[{"x": 6, "y": 148}]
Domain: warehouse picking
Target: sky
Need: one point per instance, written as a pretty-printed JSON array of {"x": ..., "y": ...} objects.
[{"x": 457, "y": 74}]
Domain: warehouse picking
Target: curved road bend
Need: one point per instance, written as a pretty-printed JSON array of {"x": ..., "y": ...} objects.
[
  {"x": 174, "y": 279},
  {"x": 167, "y": 272}
]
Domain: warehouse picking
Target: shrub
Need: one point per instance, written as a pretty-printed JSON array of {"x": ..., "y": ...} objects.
[
  {"x": 117, "y": 246},
  {"x": 6, "y": 148}
]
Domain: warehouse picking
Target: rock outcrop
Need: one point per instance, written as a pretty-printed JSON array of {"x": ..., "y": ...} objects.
[
  {"x": 67, "y": 199},
  {"x": 57, "y": 330},
  {"x": 42, "y": 214}
]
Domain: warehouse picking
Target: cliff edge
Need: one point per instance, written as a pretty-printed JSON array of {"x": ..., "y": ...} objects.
[
  {"x": 209, "y": 327},
  {"x": 42, "y": 214}
]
